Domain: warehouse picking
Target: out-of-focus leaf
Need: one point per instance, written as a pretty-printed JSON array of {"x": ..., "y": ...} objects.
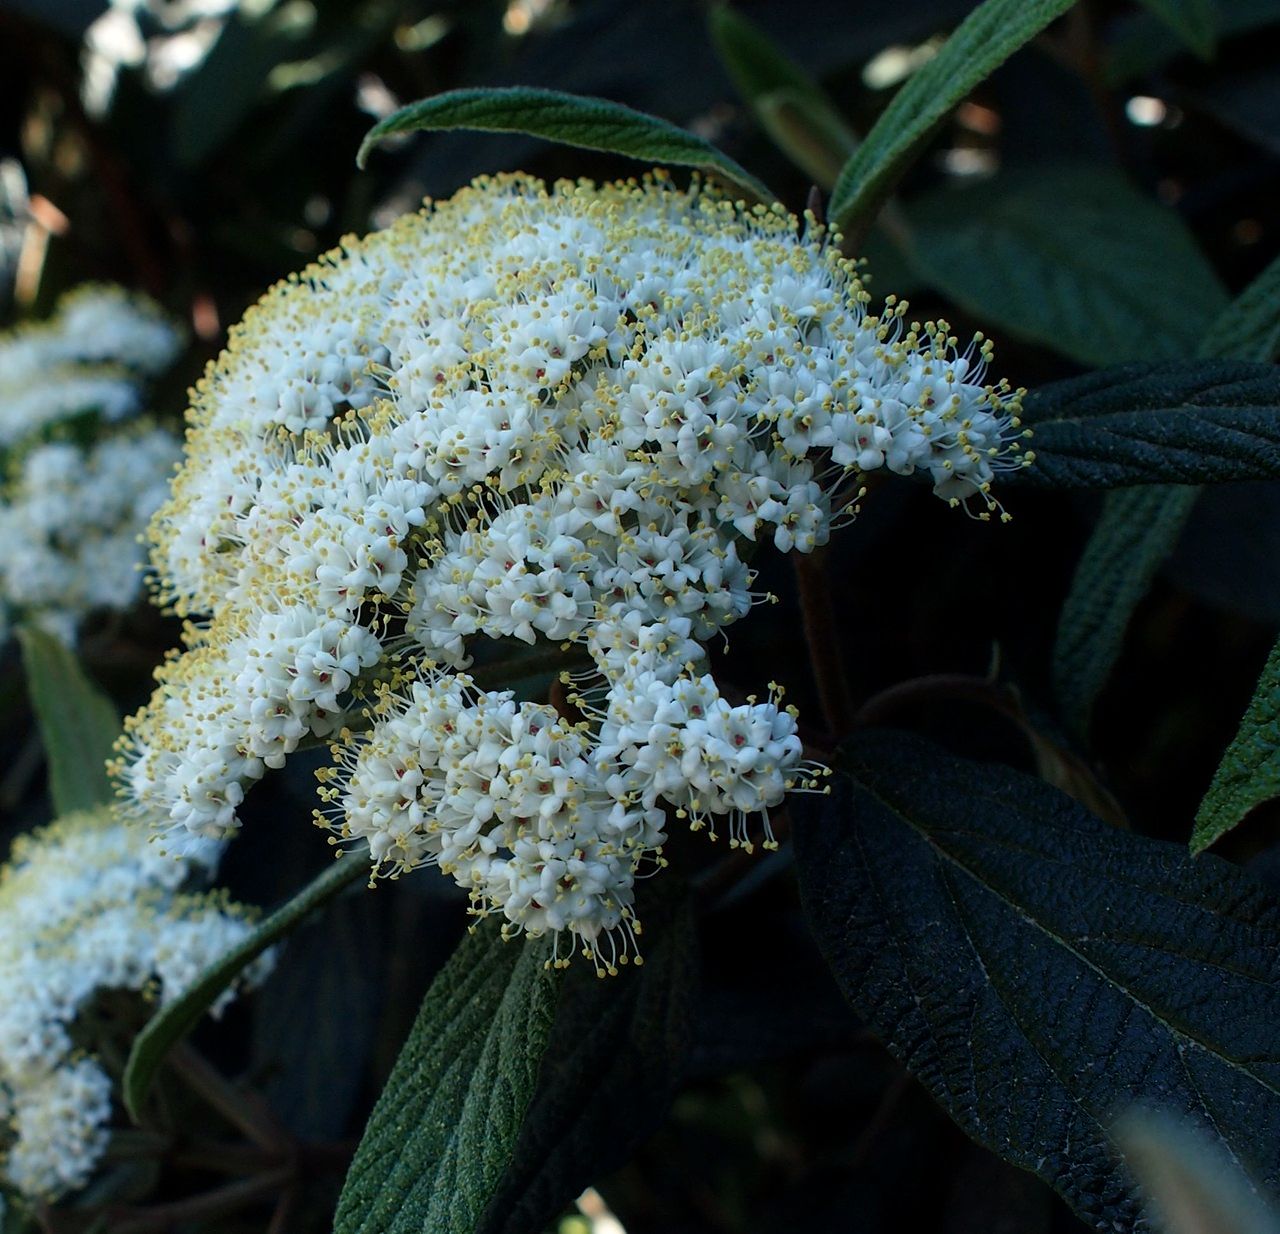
[
  {"x": 325, "y": 991},
  {"x": 789, "y": 104},
  {"x": 613, "y": 1063},
  {"x": 1190, "y": 422},
  {"x": 78, "y": 724},
  {"x": 593, "y": 124},
  {"x": 1191, "y": 1185},
  {"x": 170, "y": 1024},
  {"x": 1195, "y": 22},
  {"x": 1144, "y": 43},
  {"x": 979, "y": 45},
  {"x": 443, "y": 1131},
  {"x": 1072, "y": 257},
  {"x": 1038, "y": 969}
]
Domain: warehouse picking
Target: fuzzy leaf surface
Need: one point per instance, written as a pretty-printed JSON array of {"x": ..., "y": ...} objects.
[
  {"x": 1138, "y": 528},
  {"x": 1178, "y": 422},
  {"x": 573, "y": 120},
  {"x": 613, "y": 1064},
  {"x": 443, "y": 1130},
  {"x": 1039, "y": 970}
]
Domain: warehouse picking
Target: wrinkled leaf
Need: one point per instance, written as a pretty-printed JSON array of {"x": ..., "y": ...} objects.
[
  {"x": 1039, "y": 970},
  {"x": 789, "y": 104},
  {"x": 78, "y": 723},
  {"x": 170, "y": 1024},
  {"x": 592, "y": 124},
  {"x": 443, "y": 1130},
  {"x": 1189, "y": 422},
  {"x": 979, "y": 45},
  {"x": 612, "y": 1067},
  {"x": 1138, "y": 528},
  {"x": 1072, "y": 257}
]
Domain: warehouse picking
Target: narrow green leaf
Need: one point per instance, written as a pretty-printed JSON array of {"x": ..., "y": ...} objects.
[
  {"x": 170, "y": 1024},
  {"x": 1192, "y": 1186},
  {"x": 1039, "y": 970},
  {"x": 789, "y": 104},
  {"x": 1134, "y": 533},
  {"x": 78, "y": 724},
  {"x": 1249, "y": 327},
  {"x": 574, "y": 120},
  {"x": 1138, "y": 528},
  {"x": 1249, "y": 773},
  {"x": 1195, "y": 22},
  {"x": 1190, "y": 422},
  {"x": 613, "y": 1065},
  {"x": 443, "y": 1130},
  {"x": 979, "y": 45},
  {"x": 1072, "y": 257}
]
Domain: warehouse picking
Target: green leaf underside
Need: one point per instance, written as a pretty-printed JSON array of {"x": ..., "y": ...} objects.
[
  {"x": 170, "y": 1024},
  {"x": 573, "y": 120},
  {"x": 1249, "y": 773},
  {"x": 979, "y": 45},
  {"x": 1190, "y": 422},
  {"x": 612, "y": 1067},
  {"x": 78, "y": 724},
  {"x": 1138, "y": 528},
  {"x": 1072, "y": 257},
  {"x": 787, "y": 102},
  {"x": 1193, "y": 21},
  {"x": 443, "y": 1130},
  {"x": 1039, "y": 970}
]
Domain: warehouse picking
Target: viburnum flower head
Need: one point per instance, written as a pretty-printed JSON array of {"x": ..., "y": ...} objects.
[
  {"x": 80, "y": 481},
  {"x": 556, "y": 416},
  {"x": 88, "y": 906}
]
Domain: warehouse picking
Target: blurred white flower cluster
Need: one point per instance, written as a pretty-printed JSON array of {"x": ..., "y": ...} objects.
[
  {"x": 88, "y": 907},
  {"x": 546, "y": 416},
  {"x": 78, "y": 484}
]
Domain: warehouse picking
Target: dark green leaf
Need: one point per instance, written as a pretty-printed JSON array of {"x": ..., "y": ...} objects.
[
  {"x": 612, "y": 1066},
  {"x": 1039, "y": 970},
  {"x": 336, "y": 961},
  {"x": 78, "y": 724},
  {"x": 1072, "y": 257},
  {"x": 1142, "y": 43},
  {"x": 1249, "y": 327},
  {"x": 593, "y": 124},
  {"x": 443, "y": 1130},
  {"x": 1191, "y": 422},
  {"x": 1138, "y": 528},
  {"x": 789, "y": 104},
  {"x": 1133, "y": 536},
  {"x": 1195, "y": 22},
  {"x": 1249, "y": 773},
  {"x": 979, "y": 45},
  {"x": 1191, "y": 1185},
  {"x": 172, "y": 1023}
]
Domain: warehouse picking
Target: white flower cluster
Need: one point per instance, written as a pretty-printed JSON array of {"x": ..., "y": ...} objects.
[
  {"x": 88, "y": 906},
  {"x": 557, "y": 416},
  {"x": 71, "y": 508}
]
